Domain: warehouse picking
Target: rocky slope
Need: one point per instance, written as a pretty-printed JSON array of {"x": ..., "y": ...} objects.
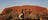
[{"x": 28, "y": 11}]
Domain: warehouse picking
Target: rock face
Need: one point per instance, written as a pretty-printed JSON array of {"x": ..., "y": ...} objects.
[{"x": 28, "y": 11}]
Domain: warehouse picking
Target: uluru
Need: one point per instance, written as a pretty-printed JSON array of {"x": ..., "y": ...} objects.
[{"x": 28, "y": 11}]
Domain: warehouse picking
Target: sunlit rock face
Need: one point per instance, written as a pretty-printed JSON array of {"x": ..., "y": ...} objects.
[
  {"x": 27, "y": 11},
  {"x": 35, "y": 9}
]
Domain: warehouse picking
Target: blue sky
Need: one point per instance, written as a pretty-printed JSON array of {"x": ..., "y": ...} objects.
[{"x": 9, "y": 3}]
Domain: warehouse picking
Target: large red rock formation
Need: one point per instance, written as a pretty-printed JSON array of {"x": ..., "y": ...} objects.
[{"x": 35, "y": 9}]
